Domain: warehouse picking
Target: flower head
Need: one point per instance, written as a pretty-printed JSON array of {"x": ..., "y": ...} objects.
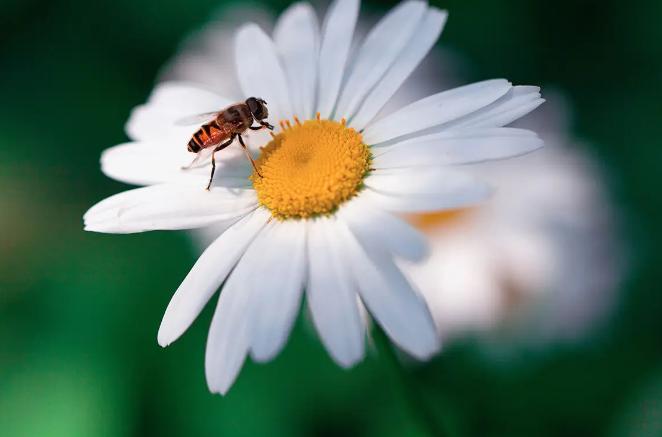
[{"x": 319, "y": 215}]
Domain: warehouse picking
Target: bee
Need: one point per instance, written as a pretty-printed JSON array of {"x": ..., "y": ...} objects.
[{"x": 220, "y": 129}]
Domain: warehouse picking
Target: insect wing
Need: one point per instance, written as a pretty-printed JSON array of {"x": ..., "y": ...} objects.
[
  {"x": 202, "y": 158},
  {"x": 196, "y": 119}
]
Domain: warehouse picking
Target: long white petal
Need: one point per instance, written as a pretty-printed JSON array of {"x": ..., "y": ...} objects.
[
  {"x": 457, "y": 147},
  {"x": 378, "y": 52},
  {"x": 169, "y": 102},
  {"x": 331, "y": 295},
  {"x": 419, "y": 189},
  {"x": 420, "y": 43},
  {"x": 230, "y": 330},
  {"x": 297, "y": 38},
  {"x": 279, "y": 285},
  {"x": 206, "y": 276},
  {"x": 435, "y": 110},
  {"x": 144, "y": 164},
  {"x": 382, "y": 228},
  {"x": 260, "y": 72},
  {"x": 151, "y": 163},
  {"x": 516, "y": 103},
  {"x": 389, "y": 297},
  {"x": 336, "y": 42},
  {"x": 168, "y": 207}
]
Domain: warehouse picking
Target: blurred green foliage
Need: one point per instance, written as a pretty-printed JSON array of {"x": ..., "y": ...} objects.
[{"x": 79, "y": 312}]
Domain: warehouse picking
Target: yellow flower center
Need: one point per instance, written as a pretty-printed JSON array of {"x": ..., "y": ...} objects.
[{"x": 310, "y": 169}]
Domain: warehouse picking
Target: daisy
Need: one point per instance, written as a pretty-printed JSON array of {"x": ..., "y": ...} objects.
[
  {"x": 538, "y": 262},
  {"x": 321, "y": 215}
]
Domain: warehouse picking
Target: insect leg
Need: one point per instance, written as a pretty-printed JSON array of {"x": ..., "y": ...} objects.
[
  {"x": 248, "y": 155},
  {"x": 262, "y": 125},
  {"x": 213, "y": 159}
]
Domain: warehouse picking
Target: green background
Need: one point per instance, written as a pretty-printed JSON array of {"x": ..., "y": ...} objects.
[{"x": 79, "y": 311}]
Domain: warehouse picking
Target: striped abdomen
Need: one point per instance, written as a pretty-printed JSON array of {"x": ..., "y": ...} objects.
[{"x": 210, "y": 134}]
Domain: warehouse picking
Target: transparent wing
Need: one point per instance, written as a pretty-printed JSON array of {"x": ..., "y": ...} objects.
[
  {"x": 202, "y": 158},
  {"x": 197, "y": 118}
]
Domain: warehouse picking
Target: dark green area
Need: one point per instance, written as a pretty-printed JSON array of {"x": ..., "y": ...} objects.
[{"x": 79, "y": 312}]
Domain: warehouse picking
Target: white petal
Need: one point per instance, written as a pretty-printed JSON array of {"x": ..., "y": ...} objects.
[
  {"x": 378, "y": 52},
  {"x": 331, "y": 295},
  {"x": 230, "y": 330},
  {"x": 516, "y": 103},
  {"x": 389, "y": 297},
  {"x": 419, "y": 189},
  {"x": 336, "y": 41},
  {"x": 435, "y": 110},
  {"x": 169, "y": 102},
  {"x": 297, "y": 37},
  {"x": 206, "y": 276},
  {"x": 151, "y": 163},
  {"x": 278, "y": 284},
  {"x": 409, "y": 58},
  {"x": 457, "y": 147},
  {"x": 260, "y": 72},
  {"x": 145, "y": 163},
  {"x": 384, "y": 229},
  {"x": 168, "y": 207}
]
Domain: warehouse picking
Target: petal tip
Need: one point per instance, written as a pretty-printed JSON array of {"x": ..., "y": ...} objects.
[{"x": 163, "y": 339}]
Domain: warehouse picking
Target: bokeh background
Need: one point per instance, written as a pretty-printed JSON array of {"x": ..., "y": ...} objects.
[{"x": 79, "y": 311}]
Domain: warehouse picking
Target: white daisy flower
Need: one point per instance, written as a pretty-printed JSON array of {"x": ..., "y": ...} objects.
[
  {"x": 539, "y": 261},
  {"x": 319, "y": 216}
]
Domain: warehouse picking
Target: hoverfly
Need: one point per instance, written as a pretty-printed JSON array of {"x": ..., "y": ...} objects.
[{"x": 220, "y": 129}]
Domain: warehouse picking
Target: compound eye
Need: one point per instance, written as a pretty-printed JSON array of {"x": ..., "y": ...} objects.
[
  {"x": 253, "y": 105},
  {"x": 263, "y": 113}
]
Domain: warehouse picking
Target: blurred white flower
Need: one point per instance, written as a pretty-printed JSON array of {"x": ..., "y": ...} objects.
[
  {"x": 319, "y": 215},
  {"x": 537, "y": 261}
]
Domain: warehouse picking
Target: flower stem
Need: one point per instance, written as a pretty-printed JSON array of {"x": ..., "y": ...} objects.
[{"x": 409, "y": 387}]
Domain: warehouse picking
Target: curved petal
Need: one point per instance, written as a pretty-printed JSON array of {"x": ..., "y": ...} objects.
[
  {"x": 207, "y": 275},
  {"x": 331, "y": 295},
  {"x": 389, "y": 297},
  {"x": 435, "y": 110},
  {"x": 393, "y": 234},
  {"x": 169, "y": 102},
  {"x": 230, "y": 330},
  {"x": 516, "y": 103},
  {"x": 408, "y": 59},
  {"x": 336, "y": 42},
  {"x": 168, "y": 207},
  {"x": 151, "y": 163},
  {"x": 378, "y": 52},
  {"x": 279, "y": 286},
  {"x": 297, "y": 38},
  {"x": 458, "y": 147},
  {"x": 260, "y": 72},
  {"x": 419, "y": 189}
]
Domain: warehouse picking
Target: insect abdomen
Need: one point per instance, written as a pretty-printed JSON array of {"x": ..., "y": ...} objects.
[{"x": 208, "y": 135}]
